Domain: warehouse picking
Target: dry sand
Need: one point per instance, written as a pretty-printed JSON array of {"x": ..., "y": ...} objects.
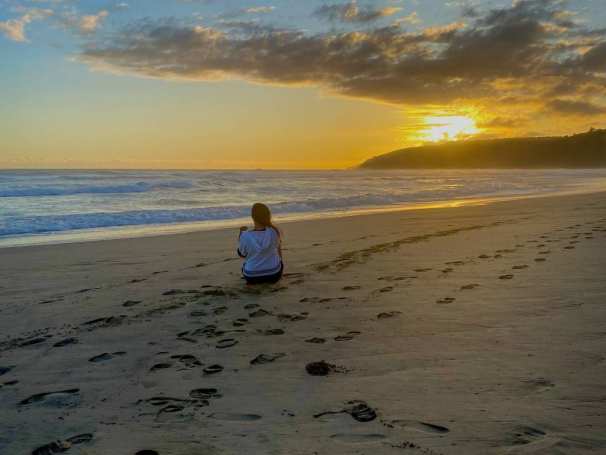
[{"x": 474, "y": 330}]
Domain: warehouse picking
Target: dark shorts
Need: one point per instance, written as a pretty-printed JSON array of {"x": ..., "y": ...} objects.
[{"x": 274, "y": 278}]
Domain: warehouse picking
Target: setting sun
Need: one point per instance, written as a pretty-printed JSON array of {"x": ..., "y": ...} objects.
[{"x": 448, "y": 128}]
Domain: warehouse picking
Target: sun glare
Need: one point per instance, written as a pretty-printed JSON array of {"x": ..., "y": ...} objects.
[{"x": 448, "y": 128}]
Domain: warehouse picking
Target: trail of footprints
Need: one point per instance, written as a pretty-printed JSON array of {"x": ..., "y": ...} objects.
[
  {"x": 584, "y": 231},
  {"x": 214, "y": 299}
]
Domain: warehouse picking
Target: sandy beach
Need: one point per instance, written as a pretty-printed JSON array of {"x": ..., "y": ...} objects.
[{"x": 470, "y": 330}]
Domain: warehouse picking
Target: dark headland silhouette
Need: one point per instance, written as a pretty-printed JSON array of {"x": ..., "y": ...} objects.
[{"x": 585, "y": 150}]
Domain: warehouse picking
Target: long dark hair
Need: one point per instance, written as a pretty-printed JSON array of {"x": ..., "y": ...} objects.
[{"x": 261, "y": 215}]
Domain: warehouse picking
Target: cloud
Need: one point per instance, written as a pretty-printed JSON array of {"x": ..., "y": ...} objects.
[
  {"x": 246, "y": 11},
  {"x": 14, "y": 29},
  {"x": 260, "y": 9},
  {"x": 502, "y": 122},
  {"x": 85, "y": 24},
  {"x": 90, "y": 22},
  {"x": 120, "y": 6},
  {"x": 351, "y": 12},
  {"x": 510, "y": 56},
  {"x": 595, "y": 58},
  {"x": 576, "y": 107},
  {"x": 412, "y": 18}
]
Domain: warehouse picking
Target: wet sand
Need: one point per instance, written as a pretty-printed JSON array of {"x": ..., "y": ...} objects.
[{"x": 472, "y": 330}]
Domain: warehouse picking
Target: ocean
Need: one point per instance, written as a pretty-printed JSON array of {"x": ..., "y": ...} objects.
[{"x": 64, "y": 206}]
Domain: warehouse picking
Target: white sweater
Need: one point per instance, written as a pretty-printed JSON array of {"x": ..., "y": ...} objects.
[{"x": 261, "y": 250}]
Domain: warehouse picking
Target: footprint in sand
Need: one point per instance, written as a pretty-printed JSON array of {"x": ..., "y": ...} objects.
[
  {"x": 204, "y": 393},
  {"x": 357, "y": 409},
  {"x": 183, "y": 337},
  {"x": 160, "y": 366},
  {"x": 455, "y": 263},
  {"x": 506, "y": 277},
  {"x": 424, "y": 427},
  {"x": 59, "y": 399},
  {"x": 267, "y": 358},
  {"x": 198, "y": 313},
  {"x": 270, "y": 332},
  {"x": 111, "y": 321},
  {"x": 291, "y": 317},
  {"x": 174, "y": 292},
  {"x": 106, "y": 356},
  {"x": 130, "y": 303},
  {"x": 323, "y": 368},
  {"x": 65, "y": 342},
  {"x": 63, "y": 446},
  {"x": 386, "y": 289},
  {"x": 226, "y": 343},
  {"x": 540, "y": 260},
  {"x": 519, "y": 267},
  {"x": 188, "y": 360},
  {"x": 468, "y": 287},
  {"x": 351, "y": 288},
  {"x": 388, "y": 314},
  {"x": 315, "y": 340},
  {"x": 259, "y": 313},
  {"x": 523, "y": 434},
  {"x": 33, "y": 341},
  {"x": 446, "y": 300},
  {"x": 232, "y": 417},
  {"x": 43, "y": 302},
  {"x": 213, "y": 369},
  {"x": 362, "y": 412},
  {"x": 347, "y": 337},
  {"x": 353, "y": 438},
  {"x": 4, "y": 370},
  {"x": 539, "y": 384},
  {"x": 219, "y": 310},
  {"x": 240, "y": 322},
  {"x": 85, "y": 290}
]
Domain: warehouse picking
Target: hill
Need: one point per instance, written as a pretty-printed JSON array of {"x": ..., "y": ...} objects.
[{"x": 585, "y": 150}]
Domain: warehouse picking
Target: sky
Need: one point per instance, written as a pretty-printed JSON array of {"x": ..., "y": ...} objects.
[{"x": 222, "y": 84}]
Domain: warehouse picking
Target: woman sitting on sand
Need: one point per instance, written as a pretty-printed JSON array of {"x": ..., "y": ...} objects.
[{"x": 261, "y": 248}]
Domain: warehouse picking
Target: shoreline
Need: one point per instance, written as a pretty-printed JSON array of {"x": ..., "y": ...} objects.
[{"x": 170, "y": 229}]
